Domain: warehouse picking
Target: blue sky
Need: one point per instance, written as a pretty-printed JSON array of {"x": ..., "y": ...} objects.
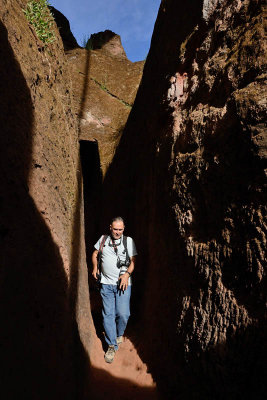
[{"x": 133, "y": 20}]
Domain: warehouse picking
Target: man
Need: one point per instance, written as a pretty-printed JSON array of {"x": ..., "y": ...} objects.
[{"x": 115, "y": 277}]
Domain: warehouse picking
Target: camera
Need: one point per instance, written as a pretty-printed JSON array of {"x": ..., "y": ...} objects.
[{"x": 122, "y": 263}]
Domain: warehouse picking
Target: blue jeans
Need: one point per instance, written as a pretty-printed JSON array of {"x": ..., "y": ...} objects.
[{"x": 116, "y": 312}]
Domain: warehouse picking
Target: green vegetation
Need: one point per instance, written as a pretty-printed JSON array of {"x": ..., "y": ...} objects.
[
  {"x": 103, "y": 87},
  {"x": 39, "y": 15}
]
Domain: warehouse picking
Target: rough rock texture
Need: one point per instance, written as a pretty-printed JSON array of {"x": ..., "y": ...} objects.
[
  {"x": 192, "y": 167},
  {"x": 44, "y": 311},
  {"x": 109, "y": 42},
  {"x": 188, "y": 175},
  {"x": 104, "y": 83}
]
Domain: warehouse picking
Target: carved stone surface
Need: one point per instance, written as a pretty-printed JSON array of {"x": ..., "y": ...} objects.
[{"x": 194, "y": 150}]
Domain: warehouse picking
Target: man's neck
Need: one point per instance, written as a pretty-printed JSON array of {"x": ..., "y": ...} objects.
[{"x": 113, "y": 238}]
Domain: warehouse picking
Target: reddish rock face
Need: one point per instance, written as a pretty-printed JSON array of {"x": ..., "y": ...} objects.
[
  {"x": 44, "y": 309},
  {"x": 194, "y": 153}
]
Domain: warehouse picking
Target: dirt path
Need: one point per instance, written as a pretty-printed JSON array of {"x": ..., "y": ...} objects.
[{"x": 125, "y": 379}]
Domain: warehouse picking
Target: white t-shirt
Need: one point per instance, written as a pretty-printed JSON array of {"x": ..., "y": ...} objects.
[{"x": 109, "y": 260}]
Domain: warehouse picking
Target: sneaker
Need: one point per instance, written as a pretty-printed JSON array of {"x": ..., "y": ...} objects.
[
  {"x": 119, "y": 340},
  {"x": 109, "y": 355}
]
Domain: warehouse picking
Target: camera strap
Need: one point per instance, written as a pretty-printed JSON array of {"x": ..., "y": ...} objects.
[
  {"x": 115, "y": 246},
  {"x": 124, "y": 242},
  {"x": 125, "y": 247},
  {"x": 102, "y": 244}
]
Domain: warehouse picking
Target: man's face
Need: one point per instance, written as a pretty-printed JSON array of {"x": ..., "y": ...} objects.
[{"x": 116, "y": 229}]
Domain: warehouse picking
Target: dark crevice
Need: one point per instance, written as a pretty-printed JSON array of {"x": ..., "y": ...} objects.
[
  {"x": 92, "y": 190},
  {"x": 92, "y": 187}
]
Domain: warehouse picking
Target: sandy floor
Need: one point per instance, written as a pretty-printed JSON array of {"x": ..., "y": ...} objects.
[{"x": 126, "y": 378}]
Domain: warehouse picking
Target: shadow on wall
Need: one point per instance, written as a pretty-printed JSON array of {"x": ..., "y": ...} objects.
[
  {"x": 233, "y": 370},
  {"x": 38, "y": 335}
]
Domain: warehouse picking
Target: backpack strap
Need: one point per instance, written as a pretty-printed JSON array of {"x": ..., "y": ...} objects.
[
  {"x": 100, "y": 251},
  {"x": 125, "y": 247}
]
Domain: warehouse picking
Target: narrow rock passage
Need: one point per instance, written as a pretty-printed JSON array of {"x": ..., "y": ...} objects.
[{"x": 127, "y": 378}]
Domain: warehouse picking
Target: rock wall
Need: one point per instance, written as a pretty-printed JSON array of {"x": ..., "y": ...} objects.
[
  {"x": 104, "y": 83},
  {"x": 192, "y": 167},
  {"x": 45, "y": 312}
]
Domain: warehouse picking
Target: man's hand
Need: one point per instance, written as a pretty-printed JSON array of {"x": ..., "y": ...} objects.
[
  {"x": 123, "y": 284},
  {"x": 95, "y": 273},
  {"x": 94, "y": 262},
  {"x": 123, "y": 281}
]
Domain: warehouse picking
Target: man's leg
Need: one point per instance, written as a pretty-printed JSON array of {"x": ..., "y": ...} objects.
[
  {"x": 122, "y": 310},
  {"x": 108, "y": 293}
]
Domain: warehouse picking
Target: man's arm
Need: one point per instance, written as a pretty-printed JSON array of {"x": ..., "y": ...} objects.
[
  {"x": 94, "y": 262},
  {"x": 125, "y": 277},
  {"x": 132, "y": 264}
]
